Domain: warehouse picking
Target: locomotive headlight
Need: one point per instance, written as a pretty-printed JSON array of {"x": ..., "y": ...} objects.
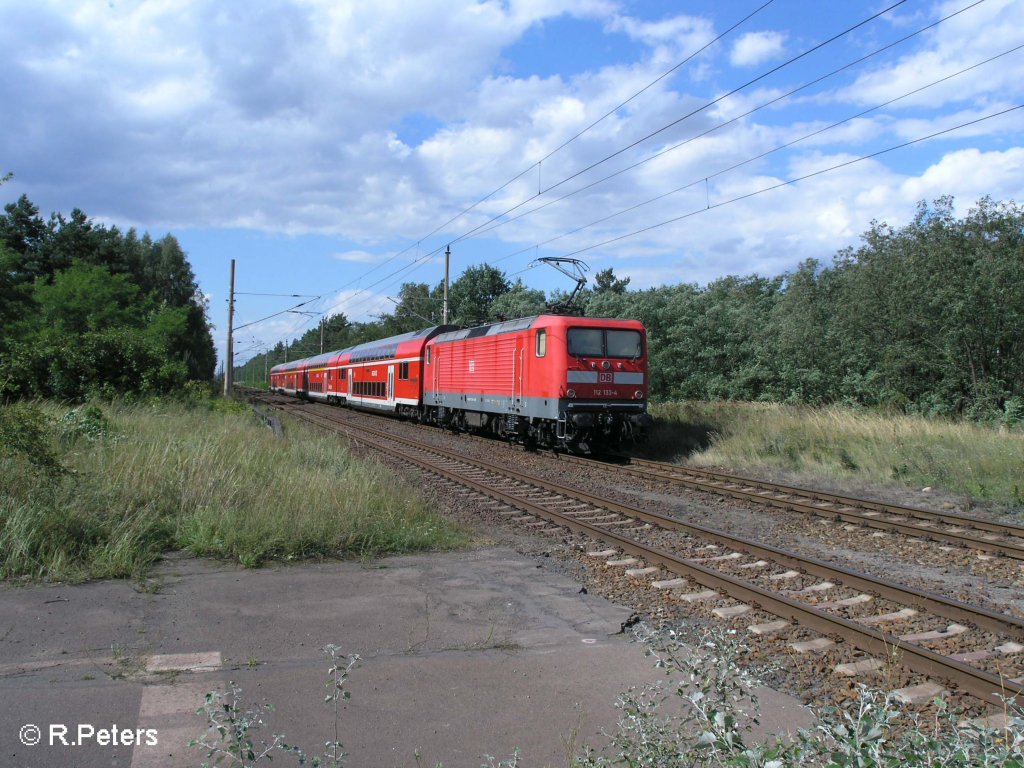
[
  {"x": 571, "y": 392},
  {"x": 639, "y": 394}
]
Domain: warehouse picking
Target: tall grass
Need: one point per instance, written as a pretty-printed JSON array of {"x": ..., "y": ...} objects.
[
  {"x": 977, "y": 460},
  {"x": 166, "y": 476}
]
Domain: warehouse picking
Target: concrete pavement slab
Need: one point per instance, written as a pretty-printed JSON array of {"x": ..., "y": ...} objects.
[{"x": 463, "y": 655}]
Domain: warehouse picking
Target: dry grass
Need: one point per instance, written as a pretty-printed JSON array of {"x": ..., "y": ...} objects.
[
  {"x": 977, "y": 460},
  {"x": 211, "y": 482}
]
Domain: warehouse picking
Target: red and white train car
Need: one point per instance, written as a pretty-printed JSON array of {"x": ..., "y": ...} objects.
[{"x": 383, "y": 375}]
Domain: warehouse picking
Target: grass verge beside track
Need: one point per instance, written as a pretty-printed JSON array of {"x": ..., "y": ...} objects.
[
  {"x": 102, "y": 493},
  {"x": 977, "y": 460}
]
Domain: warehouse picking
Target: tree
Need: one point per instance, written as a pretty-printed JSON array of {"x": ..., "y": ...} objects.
[
  {"x": 16, "y": 305},
  {"x": 803, "y": 345},
  {"x": 416, "y": 309},
  {"x": 470, "y": 297},
  {"x": 71, "y": 289},
  {"x": 84, "y": 298},
  {"x": 24, "y": 232},
  {"x": 518, "y": 301},
  {"x": 605, "y": 281}
]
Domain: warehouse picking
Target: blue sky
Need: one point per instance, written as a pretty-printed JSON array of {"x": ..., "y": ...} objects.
[{"x": 329, "y": 147}]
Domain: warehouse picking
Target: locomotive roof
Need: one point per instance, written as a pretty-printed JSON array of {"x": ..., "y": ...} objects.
[
  {"x": 520, "y": 324},
  {"x": 507, "y": 326}
]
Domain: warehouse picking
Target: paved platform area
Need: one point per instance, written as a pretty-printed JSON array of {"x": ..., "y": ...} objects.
[{"x": 463, "y": 655}]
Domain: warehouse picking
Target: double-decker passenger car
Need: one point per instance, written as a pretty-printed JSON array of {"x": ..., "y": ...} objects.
[{"x": 383, "y": 375}]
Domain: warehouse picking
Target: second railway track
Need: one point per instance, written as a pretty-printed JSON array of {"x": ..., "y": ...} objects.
[{"x": 984, "y": 535}]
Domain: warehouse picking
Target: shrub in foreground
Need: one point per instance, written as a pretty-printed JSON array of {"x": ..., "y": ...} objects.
[
  {"x": 702, "y": 713},
  {"x": 699, "y": 716}
]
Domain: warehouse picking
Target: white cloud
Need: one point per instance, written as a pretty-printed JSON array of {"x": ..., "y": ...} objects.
[
  {"x": 361, "y": 257},
  {"x": 379, "y": 122},
  {"x": 755, "y": 48},
  {"x": 970, "y": 174},
  {"x": 683, "y": 33},
  {"x": 967, "y": 39}
]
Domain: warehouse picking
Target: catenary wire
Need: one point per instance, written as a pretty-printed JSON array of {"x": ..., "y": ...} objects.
[
  {"x": 704, "y": 179},
  {"x": 421, "y": 259},
  {"x": 566, "y": 143},
  {"x": 795, "y": 180},
  {"x": 675, "y": 122},
  {"x": 719, "y": 126}
]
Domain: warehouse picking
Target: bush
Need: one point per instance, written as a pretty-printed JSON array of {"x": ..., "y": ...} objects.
[{"x": 25, "y": 434}]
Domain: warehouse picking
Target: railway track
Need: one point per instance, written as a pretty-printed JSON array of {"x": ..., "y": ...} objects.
[
  {"x": 996, "y": 538},
  {"x": 979, "y": 651},
  {"x": 984, "y": 536}
]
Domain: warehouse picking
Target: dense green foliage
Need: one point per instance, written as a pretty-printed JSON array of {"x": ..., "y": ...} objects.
[
  {"x": 927, "y": 319},
  {"x": 88, "y": 310}
]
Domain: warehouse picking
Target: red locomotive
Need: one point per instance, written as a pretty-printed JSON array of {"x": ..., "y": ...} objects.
[{"x": 566, "y": 382}]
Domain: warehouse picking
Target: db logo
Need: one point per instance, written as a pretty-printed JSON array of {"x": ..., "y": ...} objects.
[{"x": 604, "y": 378}]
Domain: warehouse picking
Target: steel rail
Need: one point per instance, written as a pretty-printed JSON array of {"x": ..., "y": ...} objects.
[
  {"x": 981, "y": 684},
  {"x": 672, "y": 473},
  {"x": 665, "y": 471},
  {"x": 1006, "y": 529}
]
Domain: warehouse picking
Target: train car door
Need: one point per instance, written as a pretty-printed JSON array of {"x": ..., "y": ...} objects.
[
  {"x": 351, "y": 389},
  {"x": 435, "y": 352},
  {"x": 391, "y": 385},
  {"x": 519, "y": 358}
]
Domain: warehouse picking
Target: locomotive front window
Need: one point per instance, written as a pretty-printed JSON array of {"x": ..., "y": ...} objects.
[
  {"x": 623, "y": 344},
  {"x": 586, "y": 342},
  {"x": 596, "y": 342}
]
